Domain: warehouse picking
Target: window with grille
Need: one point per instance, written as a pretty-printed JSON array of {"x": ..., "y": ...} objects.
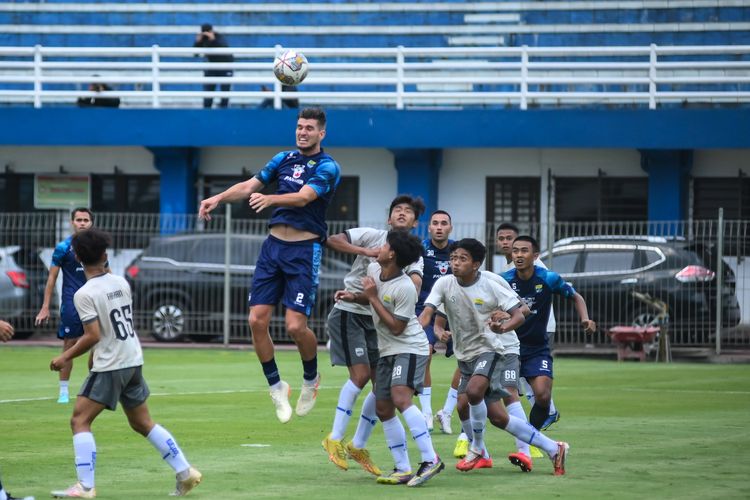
[
  {"x": 513, "y": 199},
  {"x": 730, "y": 193},
  {"x": 601, "y": 199}
]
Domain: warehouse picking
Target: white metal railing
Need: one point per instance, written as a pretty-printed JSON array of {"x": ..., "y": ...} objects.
[{"x": 401, "y": 77}]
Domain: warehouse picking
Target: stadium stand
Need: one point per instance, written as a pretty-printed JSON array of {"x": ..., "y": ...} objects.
[{"x": 376, "y": 24}]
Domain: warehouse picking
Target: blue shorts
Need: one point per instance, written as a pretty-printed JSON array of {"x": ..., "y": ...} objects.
[
  {"x": 535, "y": 366},
  {"x": 287, "y": 272},
  {"x": 70, "y": 324}
]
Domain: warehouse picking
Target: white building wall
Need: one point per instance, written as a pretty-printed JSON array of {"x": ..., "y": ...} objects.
[{"x": 78, "y": 160}]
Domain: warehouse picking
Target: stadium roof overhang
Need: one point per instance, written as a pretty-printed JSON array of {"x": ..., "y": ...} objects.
[{"x": 678, "y": 128}]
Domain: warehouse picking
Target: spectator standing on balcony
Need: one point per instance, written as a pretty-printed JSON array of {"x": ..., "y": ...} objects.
[
  {"x": 73, "y": 278},
  {"x": 351, "y": 328},
  {"x": 208, "y": 38},
  {"x": 289, "y": 262},
  {"x": 536, "y": 286}
]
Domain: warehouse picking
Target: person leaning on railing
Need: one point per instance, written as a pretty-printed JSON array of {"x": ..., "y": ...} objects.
[{"x": 99, "y": 101}]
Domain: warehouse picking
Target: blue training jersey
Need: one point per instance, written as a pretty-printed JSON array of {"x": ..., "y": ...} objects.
[
  {"x": 293, "y": 170},
  {"x": 72, "y": 270},
  {"x": 537, "y": 295},
  {"x": 437, "y": 263}
]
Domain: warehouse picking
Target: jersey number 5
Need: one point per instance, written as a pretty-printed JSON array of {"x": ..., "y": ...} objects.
[{"x": 122, "y": 322}]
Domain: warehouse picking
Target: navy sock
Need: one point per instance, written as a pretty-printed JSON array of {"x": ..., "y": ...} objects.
[
  {"x": 538, "y": 415},
  {"x": 271, "y": 371},
  {"x": 310, "y": 368}
]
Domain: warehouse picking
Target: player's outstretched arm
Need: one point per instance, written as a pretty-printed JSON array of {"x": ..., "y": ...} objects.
[
  {"x": 340, "y": 243},
  {"x": 426, "y": 316},
  {"x": 43, "y": 314},
  {"x": 6, "y": 331},
  {"x": 589, "y": 326},
  {"x": 259, "y": 201},
  {"x": 91, "y": 335},
  {"x": 240, "y": 191}
]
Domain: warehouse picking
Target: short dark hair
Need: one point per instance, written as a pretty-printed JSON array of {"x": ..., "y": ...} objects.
[
  {"x": 206, "y": 27},
  {"x": 406, "y": 246},
  {"x": 314, "y": 114},
  {"x": 416, "y": 203},
  {"x": 90, "y": 245},
  {"x": 475, "y": 248},
  {"x": 437, "y": 212},
  {"x": 507, "y": 226},
  {"x": 530, "y": 239},
  {"x": 82, "y": 209}
]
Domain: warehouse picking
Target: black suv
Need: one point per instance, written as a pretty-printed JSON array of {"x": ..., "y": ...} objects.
[
  {"x": 178, "y": 287},
  {"x": 607, "y": 269}
]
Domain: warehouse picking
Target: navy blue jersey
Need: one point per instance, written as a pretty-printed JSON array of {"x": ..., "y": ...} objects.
[
  {"x": 437, "y": 263},
  {"x": 72, "y": 270},
  {"x": 537, "y": 295},
  {"x": 293, "y": 170}
]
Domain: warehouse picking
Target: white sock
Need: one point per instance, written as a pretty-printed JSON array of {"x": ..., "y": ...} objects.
[
  {"x": 418, "y": 427},
  {"x": 347, "y": 397},
  {"x": 526, "y": 432},
  {"x": 395, "y": 438},
  {"x": 527, "y": 391},
  {"x": 425, "y": 401},
  {"x": 170, "y": 451},
  {"x": 478, "y": 418},
  {"x": 275, "y": 387},
  {"x": 64, "y": 384},
  {"x": 367, "y": 420},
  {"x": 451, "y": 400},
  {"x": 516, "y": 409},
  {"x": 84, "y": 447},
  {"x": 552, "y": 409},
  {"x": 466, "y": 430},
  {"x": 3, "y": 495}
]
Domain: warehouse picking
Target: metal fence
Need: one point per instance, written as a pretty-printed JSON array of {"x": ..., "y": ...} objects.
[
  {"x": 187, "y": 284},
  {"x": 401, "y": 77}
]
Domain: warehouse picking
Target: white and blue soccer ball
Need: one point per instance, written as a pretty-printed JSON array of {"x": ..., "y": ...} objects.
[{"x": 291, "y": 67}]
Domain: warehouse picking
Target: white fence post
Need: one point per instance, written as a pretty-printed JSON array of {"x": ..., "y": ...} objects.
[
  {"x": 37, "y": 76},
  {"x": 652, "y": 77},
  {"x": 719, "y": 277},
  {"x": 227, "y": 270},
  {"x": 155, "y": 87},
  {"x": 400, "y": 77},
  {"x": 524, "y": 76}
]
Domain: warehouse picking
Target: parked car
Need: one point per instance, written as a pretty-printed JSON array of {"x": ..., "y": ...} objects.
[
  {"x": 22, "y": 280},
  {"x": 178, "y": 287},
  {"x": 607, "y": 269}
]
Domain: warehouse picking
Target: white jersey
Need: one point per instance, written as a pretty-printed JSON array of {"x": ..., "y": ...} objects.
[
  {"x": 106, "y": 298},
  {"x": 551, "y": 323},
  {"x": 367, "y": 237},
  {"x": 468, "y": 308},
  {"x": 399, "y": 296}
]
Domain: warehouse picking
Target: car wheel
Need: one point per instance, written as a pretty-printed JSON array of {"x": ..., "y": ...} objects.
[{"x": 168, "y": 321}]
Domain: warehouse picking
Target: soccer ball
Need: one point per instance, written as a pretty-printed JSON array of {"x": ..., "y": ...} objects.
[{"x": 290, "y": 67}]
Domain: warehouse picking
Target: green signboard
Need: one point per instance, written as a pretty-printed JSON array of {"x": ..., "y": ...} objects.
[{"x": 62, "y": 191}]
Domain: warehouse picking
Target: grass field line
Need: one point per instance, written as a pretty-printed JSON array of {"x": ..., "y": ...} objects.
[{"x": 264, "y": 389}]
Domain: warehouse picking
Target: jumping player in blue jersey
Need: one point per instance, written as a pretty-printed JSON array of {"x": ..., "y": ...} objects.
[
  {"x": 73, "y": 278},
  {"x": 536, "y": 285},
  {"x": 289, "y": 262}
]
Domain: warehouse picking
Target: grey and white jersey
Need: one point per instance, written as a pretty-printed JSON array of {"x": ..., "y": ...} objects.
[
  {"x": 367, "y": 237},
  {"x": 106, "y": 299}
]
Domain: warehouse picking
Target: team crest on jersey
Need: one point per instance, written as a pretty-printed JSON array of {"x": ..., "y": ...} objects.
[
  {"x": 538, "y": 288},
  {"x": 443, "y": 266},
  {"x": 297, "y": 171},
  {"x": 478, "y": 302},
  {"x": 311, "y": 163},
  {"x": 387, "y": 299}
]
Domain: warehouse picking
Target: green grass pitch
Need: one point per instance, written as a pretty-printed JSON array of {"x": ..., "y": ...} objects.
[{"x": 635, "y": 430}]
